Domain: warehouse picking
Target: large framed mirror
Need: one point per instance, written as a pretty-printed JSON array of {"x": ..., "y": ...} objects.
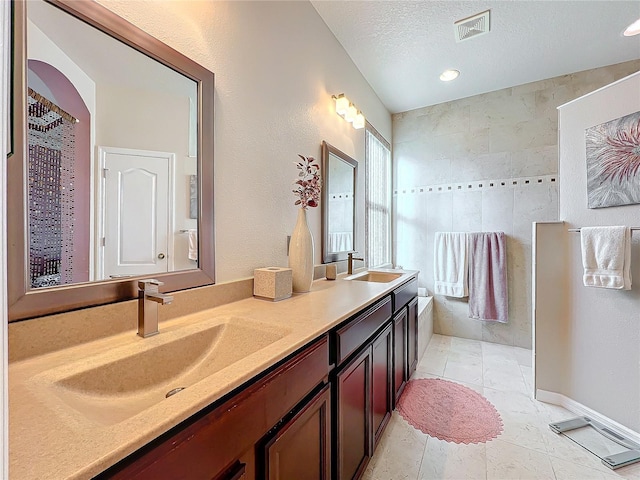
[
  {"x": 112, "y": 164},
  {"x": 339, "y": 174}
]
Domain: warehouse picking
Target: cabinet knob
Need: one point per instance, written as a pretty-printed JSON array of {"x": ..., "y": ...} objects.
[{"x": 161, "y": 256}]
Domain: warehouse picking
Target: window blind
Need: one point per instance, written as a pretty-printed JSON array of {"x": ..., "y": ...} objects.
[{"x": 377, "y": 198}]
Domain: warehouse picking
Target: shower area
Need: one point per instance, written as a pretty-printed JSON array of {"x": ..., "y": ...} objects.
[
  {"x": 59, "y": 179},
  {"x": 487, "y": 163},
  {"x": 463, "y": 167},
  {"x": 52, "y": 179}
]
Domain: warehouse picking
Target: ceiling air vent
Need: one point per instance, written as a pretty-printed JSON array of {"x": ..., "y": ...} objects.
[{"x": 472, "y": 26}]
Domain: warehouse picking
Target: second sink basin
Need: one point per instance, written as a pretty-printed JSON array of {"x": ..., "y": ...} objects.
[
  {"x": 380, "y": 277},
  {"x": 112, "y": 386}
]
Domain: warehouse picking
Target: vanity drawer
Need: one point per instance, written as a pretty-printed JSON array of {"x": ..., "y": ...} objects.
[
  {"x": 404, "y": 294},
  {"x": 206, "y": 446},
  {"x": 354, "y": 334}
]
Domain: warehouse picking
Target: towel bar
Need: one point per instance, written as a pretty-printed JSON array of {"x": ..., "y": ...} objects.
[{"x": 578, "y": 230}]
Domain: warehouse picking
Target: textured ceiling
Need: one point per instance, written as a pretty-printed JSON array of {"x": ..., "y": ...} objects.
[{"x": 401, "y": 47}]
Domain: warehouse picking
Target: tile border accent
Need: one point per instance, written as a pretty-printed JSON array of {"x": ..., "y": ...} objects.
[{"x": 478, "y": 185}]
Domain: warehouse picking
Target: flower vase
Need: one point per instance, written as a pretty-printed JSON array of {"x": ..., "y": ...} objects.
[{"x": 301, "y": 254}]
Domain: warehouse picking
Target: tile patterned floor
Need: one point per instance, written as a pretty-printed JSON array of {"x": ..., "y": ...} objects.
[{"x": 526, "y": 449}]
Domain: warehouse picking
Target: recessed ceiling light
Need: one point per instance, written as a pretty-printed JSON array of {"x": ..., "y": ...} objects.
[
  {"x": 449, "y": 75},
  {"x": 633, "y": 29}
]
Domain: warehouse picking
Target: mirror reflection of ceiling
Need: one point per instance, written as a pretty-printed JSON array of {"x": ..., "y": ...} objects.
[
  {"x": 401, "y": 47},
  {"x": 104, "y": 60}
]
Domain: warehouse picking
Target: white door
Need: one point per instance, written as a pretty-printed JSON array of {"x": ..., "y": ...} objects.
[{"x": 136, "y": 212}]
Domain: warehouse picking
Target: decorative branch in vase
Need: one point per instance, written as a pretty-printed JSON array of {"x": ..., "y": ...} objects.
[
  {"x": 309, "y": 183},
  {"x": 307, "y": 190}
]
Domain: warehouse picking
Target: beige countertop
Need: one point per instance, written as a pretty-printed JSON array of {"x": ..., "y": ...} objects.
[{"x": 54, "y": 434}]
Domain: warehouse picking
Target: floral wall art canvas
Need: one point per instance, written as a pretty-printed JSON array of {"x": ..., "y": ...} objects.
[{"x": 613, "y": 162}]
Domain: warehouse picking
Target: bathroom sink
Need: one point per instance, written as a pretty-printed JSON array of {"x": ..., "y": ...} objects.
[
  {"x": 379, "y": 277},
  {"x": 112, "y": 386}
]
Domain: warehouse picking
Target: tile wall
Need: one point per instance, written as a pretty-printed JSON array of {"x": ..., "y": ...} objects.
[{"x": 484, "y": 163}]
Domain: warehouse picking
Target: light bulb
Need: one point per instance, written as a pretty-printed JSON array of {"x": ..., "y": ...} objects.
[
  {"x": 449, "y": 75},
  {"x": 358, "y": 122},
  {"x": 352, "y": 111},
  {"x": 633, "y": 29},
  {"x": 342, "y": 104}
]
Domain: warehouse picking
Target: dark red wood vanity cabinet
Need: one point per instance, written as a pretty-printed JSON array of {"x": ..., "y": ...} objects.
[
  {"x": 405, "y": 335},
  {"x": 412, "y": 336},
  {"x": 353, "y": 431},
  {"x": 400, "y": 332},
  {"x": 381, "y": 381},
  {"x": 301, "y": 447},
  {"x": 363, "y": 387},
  {"x": 285, "y": 414}
]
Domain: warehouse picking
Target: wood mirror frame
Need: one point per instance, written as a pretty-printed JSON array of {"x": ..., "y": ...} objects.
[
  {"x": 327, "y": 151},
  {"x": 27, "y": 303}
]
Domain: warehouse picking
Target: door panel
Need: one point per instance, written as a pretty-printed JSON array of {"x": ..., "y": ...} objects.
[
  {"x": 399, "y": 354},
  {"x": 354, "y": 417},
  {"x": 136, "y": 206},
  {"x": 381, "y": 381},
  {"x": 412, "y": 337},
  {"x": 300, "y": 449}
]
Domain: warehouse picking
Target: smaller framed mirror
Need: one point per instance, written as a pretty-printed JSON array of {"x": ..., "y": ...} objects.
[{"x": 339, "y": 174}]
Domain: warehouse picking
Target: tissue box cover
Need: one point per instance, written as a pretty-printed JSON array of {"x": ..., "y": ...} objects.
[{"x": 272, "y": 283}]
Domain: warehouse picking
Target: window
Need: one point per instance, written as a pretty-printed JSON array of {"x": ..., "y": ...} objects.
[{"x": 377, "y": 198}]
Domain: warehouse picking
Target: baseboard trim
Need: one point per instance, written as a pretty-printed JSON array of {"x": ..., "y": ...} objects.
[{"x": 582, "y": 410}]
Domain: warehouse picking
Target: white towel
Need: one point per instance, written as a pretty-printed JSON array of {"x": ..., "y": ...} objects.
[
  {"x": 606, "y": 257},
  {"x": 340, "y": 242},
  {"x": 450, "y": 264},
  {"x": 193, "y": 244}
]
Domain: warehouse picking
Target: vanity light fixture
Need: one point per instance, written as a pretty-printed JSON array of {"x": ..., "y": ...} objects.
[
  {"x": 633, "y": 29},
  {"x": 342, "y": 104},
  {"x": 352, "y": 111},
  {"x": 449, "y": 75},
  {"x": 349, "y": 111},
  {"x": 358, "y": 122}
]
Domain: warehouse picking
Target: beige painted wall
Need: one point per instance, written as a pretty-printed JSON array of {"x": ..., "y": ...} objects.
[
  {"x": 507, "y": 135},
  {"x": 550, "y": 292},
  {"x": 276, "y": 65},
  {"x": 604, "y": 325}
]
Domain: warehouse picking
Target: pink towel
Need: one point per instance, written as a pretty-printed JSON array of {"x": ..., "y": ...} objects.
[{"x": 488, "y": 297}]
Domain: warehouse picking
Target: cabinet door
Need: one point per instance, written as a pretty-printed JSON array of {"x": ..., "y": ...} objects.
[
  {"x": 399, "y": 354},
  {"x": 237, "y": 471},
  {"x": 353, "y": 426},
  {"x": 412, "y": 337},
  {"x": 382, "y": 381},
  {"x": 300, "y": 449}
]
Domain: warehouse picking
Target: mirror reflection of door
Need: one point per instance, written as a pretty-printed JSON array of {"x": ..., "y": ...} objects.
[{"x": 136, "y": 207}]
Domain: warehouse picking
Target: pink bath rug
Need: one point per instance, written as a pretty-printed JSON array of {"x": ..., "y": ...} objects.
[{"x": 449, "y": 411}]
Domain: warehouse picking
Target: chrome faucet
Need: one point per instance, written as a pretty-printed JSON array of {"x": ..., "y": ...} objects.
[
  {"x": 350, "y": 259},
  {"x": 148, "y": 299}
]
